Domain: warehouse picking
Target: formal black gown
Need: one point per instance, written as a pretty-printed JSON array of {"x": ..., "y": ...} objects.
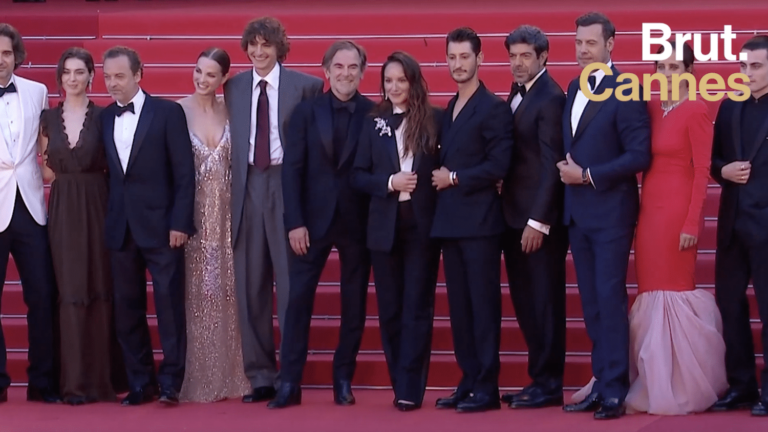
[{"x": 91, "y": 362}]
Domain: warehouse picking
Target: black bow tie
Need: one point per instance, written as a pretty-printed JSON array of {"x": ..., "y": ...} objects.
[
  {"x": 592, "y": 80},
  {"x": 122, "y": 109},
  {"x": 519, "y": 89},
  {"x": 396, "y": 120},
  {"x": 349, "y": 105},
  {"x": 10, "y": 89}
]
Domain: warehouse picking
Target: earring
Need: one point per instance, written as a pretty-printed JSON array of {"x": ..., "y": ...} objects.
[{"x": 90, "y": 85}]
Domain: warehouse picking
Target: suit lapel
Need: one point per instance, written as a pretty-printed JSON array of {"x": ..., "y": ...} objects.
[
  {"x": 288, "y": 95},
  {"x": 24, "y": 96},
  {"x": 145, "y": 120},
  {"x": 446, "y": 127},
  {"x": 324, "y": 121},
  {"x": 736, "y": 130},
  {"x": 109, "y": 137},
  {"x": 593, "y": 107},
  {"x": 761, "y": 138},
  {"x": 355, "y": 124}
]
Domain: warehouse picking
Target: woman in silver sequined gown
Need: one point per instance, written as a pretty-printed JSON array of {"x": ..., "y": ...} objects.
[{"x": 214, "y": 364}]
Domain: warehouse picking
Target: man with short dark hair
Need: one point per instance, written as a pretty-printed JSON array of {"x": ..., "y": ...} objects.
[
  {"x": 740, "y": 165},
  {"x": 535, "y": 243},
  {"x": 23, "y": 217},
  {"x": 260, "y": 102},
  {"x": 607, "y": 144},
  {"x": 148, "y": 222},
  {"x": 475, "y": 154},
  {"x": 322, "y": 210}
]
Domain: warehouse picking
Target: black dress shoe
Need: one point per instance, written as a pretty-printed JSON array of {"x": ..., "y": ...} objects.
[
  {"x": 479, "y": 402},
  {"x": 3, "y": 395},
  {"x": 452, "y": 401},
  {"x": 537, "y": 398},
  {"x": 168, "y": 396},
  {"x": 260, "y": 394},
  {"x": 760, "y": 409},
  {"x": 75, "y": 400},
  {"x": 589, "y": 404},
  {"x": 342, "y": 393},
  {"x": 46, "y": 395},
  {"x": 508, "y": 398},
  {"x": 406, "y": 406},
  {"x": 734, "y": 400},
  {"x": 610, "y": 409},
  {"x": 138, "y": 397},
  {"x": 287, "y": 395}
]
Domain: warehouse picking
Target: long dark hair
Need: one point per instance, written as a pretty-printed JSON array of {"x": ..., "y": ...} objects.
[{"x": 420, "y": 133}]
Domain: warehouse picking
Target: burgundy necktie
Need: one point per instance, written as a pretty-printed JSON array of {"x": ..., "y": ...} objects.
[{"x": 261, "y": 154}]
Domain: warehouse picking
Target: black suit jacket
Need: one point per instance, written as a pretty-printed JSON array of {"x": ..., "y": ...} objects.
[
  {"x": 478, "y": 146},
  {"x": 378, "y": 159},
  {"x": 156, "y": 194},
  {"x": 748, "y": 201},
  {"x": 532, "y": 188},
  {"x": 613, "y": 140},
  {"x": 313, "y": 186}
]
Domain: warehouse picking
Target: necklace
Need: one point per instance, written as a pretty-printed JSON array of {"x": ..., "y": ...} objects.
[{"x": 671, "y": 107}]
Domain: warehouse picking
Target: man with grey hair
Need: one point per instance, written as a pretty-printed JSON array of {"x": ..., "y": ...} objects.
[
  {"x": 535, "y": 243},
  {"x": 322, "y": 210}
]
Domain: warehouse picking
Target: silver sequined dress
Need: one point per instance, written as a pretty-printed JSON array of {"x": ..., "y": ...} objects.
[{"x": 214, "y": 364}]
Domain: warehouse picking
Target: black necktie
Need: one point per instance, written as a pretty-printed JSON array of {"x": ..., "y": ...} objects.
[
  {"x": 396, "y": 120},
  {"x": 592, "y": 82},
  {"x": 348, "y": 105},
  {"x": 519, "y": 89},
  {"x": 10, "y": 89},
  {"x": 123, "y": 109}
]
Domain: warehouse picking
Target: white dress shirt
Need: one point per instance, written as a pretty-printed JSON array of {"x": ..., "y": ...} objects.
[
  {"x": 580, "y": 103},
  {"x": 406, "y": 160},
  {"x": 517, "y": 99},
  {"x": 10, "y": 118},
  {"x": 125, "y": 128},
  {"x": 538, "y": 226},
  {"x": 273, "y": 88}
]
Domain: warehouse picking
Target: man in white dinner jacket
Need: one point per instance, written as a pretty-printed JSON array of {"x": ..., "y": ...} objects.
[{"x": 23, "y": 216}]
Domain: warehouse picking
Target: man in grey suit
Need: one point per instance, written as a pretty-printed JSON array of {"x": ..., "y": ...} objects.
[{"x": 260, "y": 101}]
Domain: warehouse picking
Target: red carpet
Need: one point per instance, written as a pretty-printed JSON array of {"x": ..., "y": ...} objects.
[{"x": 373, "y": 413}]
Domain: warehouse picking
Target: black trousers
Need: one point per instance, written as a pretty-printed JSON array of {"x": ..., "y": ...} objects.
[
  {"x": 166, "y": 266},
  {"x": 472, "y": 276},
  {"x": 406, "y": 277},
  {"x": 735, "y": 264},
  {"x": 305, "y": 272},
  {"x": 27, "y": 241},
  {"x": 537, "y": 287}
]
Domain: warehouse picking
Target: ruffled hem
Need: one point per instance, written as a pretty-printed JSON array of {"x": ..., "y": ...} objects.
[{"x": 677, "y": 358}]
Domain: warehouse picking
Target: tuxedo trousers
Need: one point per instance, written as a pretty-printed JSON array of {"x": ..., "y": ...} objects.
[
  {"x": 406, "y": 278},
  {"x": 601, "y": 258},
  {"x": 537, "y": 287},
  {"x": 261, "y": 264},
  {"x": 305, "y": 273},
  {"x": 735, "y": 264},
  {"x": 28, "y": 242},
  {"x": 472, "y": 276},
  {"x": 165, "y": 264}
]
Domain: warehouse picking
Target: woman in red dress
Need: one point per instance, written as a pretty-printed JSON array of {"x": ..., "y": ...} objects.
[{"x": 677, "y": 353}]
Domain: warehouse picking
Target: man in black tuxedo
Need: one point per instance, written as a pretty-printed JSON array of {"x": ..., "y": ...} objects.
[
  {"x": 536, "y": 243},
  {"x": 322, "y": 210},
  {"x": 475, "y": 155},
  {"x": 741, "y": 145},
  {"x": 607, "y": 144},
  {"x": 150, "y": 217}
]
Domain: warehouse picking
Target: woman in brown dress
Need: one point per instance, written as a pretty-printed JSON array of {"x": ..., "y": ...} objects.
[{"x": 74, "y": 161}]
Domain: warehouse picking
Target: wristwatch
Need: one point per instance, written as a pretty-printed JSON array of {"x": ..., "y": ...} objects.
[{"x": 584, "y": 178}]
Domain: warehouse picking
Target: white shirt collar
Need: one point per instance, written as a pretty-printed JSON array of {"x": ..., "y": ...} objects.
[
  {"x": 397, "y": 110},
  {"x": 599, "y": 74},
  {"x": 12, "y": 81},
  {"x": 272, "y": 78},
  {"x": 530, "y": 83},
  {"x": 138, "y": 101}
]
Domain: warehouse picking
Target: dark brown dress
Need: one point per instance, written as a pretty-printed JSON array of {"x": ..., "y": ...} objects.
[{"x": 91, "y": 363}]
